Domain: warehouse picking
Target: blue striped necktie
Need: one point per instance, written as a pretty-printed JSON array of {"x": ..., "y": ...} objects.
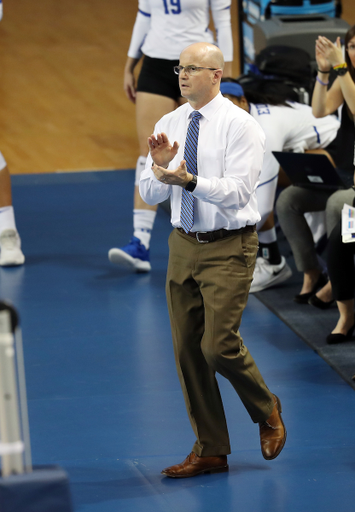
[{"x": 190, "y": 155}]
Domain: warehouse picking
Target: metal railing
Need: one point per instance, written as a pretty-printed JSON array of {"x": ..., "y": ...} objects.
[{"x": 15, "y": 449}]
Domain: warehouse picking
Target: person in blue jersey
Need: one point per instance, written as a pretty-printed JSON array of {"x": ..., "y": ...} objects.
[
  {"x": 288, "y": 126},
  {"x": 206, "y": 157},
  {"x": 162, "y": 29},
  {"x": 294, "y": 202}
]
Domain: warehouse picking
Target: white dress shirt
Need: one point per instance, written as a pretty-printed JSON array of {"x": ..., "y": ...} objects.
[{"x": 229, "y": 160}]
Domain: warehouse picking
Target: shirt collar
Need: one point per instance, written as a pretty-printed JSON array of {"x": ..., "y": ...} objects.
[{"x": 208, "y": 110}]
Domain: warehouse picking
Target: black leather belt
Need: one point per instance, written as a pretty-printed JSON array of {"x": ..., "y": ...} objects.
[{"x": 204, "y": 237}]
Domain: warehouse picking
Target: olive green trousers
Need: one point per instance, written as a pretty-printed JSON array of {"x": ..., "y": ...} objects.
[{"x": 207, "y": 290}]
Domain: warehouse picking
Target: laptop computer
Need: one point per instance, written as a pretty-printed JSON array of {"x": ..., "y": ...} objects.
[{"x": 312, "y": 171}]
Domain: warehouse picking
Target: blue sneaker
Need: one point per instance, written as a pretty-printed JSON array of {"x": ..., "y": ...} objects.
[{"x": 133, "y": 255}]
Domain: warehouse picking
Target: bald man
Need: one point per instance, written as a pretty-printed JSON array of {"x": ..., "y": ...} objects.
[{"x": 210, "y": 172}]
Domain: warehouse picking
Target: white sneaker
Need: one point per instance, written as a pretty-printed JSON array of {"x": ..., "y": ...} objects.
[
  {"x": 10, "y": 248},
  {"x": 266, "y": 275},
  {"x": 133, "y": 255}
]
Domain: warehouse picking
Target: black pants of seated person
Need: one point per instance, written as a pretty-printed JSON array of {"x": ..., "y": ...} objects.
[{"x": 341, "y": 268}]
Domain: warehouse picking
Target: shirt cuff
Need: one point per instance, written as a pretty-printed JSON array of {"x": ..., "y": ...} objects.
[
  {"x": 202, "y": 188},
  {"x": 155, "y": 179}
]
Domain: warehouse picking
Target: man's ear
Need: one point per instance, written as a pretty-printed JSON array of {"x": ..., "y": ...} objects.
[{"x": 217, "y": 76}]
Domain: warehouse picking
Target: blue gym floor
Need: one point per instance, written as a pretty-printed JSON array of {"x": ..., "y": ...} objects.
[{"x": 103, "y": 395}]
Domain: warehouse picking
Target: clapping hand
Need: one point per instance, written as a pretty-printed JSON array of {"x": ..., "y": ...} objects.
[
  {"x": 328, "y": 54},
  {"x": 161, "y": 151},
  {"x": 178, "y": 176}
]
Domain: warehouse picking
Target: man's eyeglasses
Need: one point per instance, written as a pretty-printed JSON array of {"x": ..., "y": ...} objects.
[
  {"x": 190, "y": 70},
  {"x": 351, "y": 48}
]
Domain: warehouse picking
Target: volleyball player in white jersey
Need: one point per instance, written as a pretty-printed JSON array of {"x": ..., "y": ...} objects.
[
  {"x": 163, "y": 28},
  {"x": 288, "y": 126},
  {"x": 10, "y": 243}
]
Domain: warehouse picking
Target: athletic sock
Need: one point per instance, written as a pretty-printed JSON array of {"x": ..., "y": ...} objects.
[
  {"x": 143, "y": 221},
  {"x": 7, "y": 218},
  {"x": 268, "y": 246}
]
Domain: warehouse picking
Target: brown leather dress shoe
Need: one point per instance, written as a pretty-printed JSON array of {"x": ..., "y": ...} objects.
[
  {"x": 273, "y": 433},
  {"x": 194, "y": 465}
]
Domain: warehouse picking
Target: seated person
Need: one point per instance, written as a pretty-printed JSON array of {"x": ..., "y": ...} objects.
[
  {"x": 341, "y": 269},
  {"x": 293, "y": 202},
  {"x": 10, "y": 243},
  {"x": 288, "y": 126}
]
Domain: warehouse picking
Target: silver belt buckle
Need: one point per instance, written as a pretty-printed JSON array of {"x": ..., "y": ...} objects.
[{"x": 198, "y": 239}]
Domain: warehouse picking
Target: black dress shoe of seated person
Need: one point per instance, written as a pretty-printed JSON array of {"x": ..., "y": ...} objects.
[
  {"x": 303, "y": 298},
  {"x": 318, "y": 303},
  {"x": 333, "y": 339}
]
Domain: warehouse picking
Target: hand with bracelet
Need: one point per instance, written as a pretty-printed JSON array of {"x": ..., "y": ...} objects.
[{"x": 330, "y": 55}]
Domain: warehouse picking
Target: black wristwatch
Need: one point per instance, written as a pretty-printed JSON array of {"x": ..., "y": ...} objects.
[
  {"x": 341, "y": 71},
  {"x": 190, "y": 187}
]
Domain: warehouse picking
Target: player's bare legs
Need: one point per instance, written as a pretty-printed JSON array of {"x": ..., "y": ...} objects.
[{"x": 149, "y": 109}]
